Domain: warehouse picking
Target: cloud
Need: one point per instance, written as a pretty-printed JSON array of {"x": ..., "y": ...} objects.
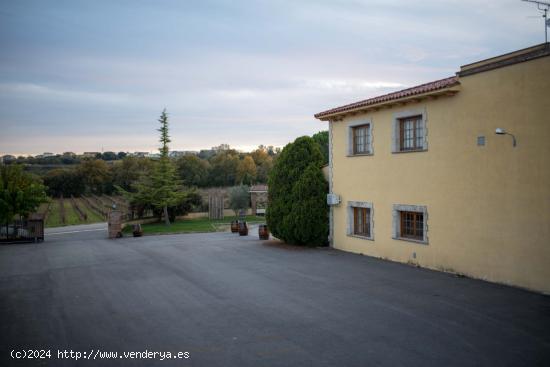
[
  {"x": 35, "y": 91},
  {"x": 233, "y": 72},
  {"x": 350, "y": 85}
]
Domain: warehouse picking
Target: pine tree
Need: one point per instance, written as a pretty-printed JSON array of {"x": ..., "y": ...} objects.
[
  {"x": 165, "y": 191},
  {"x": 161, "y": 189},
  {"x": 164, "y": 137}
]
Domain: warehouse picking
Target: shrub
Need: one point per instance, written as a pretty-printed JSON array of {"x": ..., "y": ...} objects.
[
  {"x": 239, "y": 198},
  {"x": 297, "y": 212},
  {"x": 191, "y": 200},
  {"x": 20, "y": 193},
  {"x": 321, "y": 138}
]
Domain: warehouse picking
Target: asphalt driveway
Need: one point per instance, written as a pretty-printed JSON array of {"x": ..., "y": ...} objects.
[{"x": 234, "y": 301}]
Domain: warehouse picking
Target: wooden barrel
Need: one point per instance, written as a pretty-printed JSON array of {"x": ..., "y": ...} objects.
[
  {"x": 235, "y": 226},
  {"x": 263, "y": 232},
  {"x": 243, "y": 229}
]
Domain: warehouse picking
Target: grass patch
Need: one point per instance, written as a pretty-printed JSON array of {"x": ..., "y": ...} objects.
[
  {"x": 93, "y": 216},
  {"x": 195, "y": 225},
  {"x": 71, "y": 216},
  {"x": 54, "y": 218}
]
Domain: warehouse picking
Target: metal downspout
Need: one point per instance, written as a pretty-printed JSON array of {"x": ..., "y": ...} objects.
[{"x": 330, "y": 185}]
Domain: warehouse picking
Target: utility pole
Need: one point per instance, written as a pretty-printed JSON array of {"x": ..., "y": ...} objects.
[{"x": 544, "y": 7}]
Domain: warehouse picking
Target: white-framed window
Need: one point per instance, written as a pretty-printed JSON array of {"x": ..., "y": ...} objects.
[
  {"x": 360, "y": 219},
  {"x": 360, "y": 138},
  {"x": 410, "y": 223},
  {"x": 409, "y": 131}
]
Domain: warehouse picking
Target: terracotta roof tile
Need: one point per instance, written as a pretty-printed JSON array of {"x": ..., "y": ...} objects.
[{"x": 419, "y": 89}]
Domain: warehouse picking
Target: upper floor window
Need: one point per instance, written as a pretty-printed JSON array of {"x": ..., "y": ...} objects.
[
  {"x": 411, "y": 133},
  {"x": 361, "y": 139}
]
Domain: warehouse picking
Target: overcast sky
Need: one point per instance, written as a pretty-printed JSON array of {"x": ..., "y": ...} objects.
[{"x": 89, "y": 75}]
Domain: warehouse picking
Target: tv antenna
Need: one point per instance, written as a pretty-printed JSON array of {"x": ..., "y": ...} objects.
[{"x": 544, "y": 7}]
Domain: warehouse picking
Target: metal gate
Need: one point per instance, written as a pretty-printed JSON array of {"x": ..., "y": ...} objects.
[{"x": 29, "y": 229}]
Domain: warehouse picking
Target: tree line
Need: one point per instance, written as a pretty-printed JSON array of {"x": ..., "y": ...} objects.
[
  {"x": 62, "y": 159},
  {"x": 224, "y": 167}
]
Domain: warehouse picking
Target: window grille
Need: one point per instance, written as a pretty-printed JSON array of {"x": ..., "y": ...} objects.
[{"x": 412, "y": 225}]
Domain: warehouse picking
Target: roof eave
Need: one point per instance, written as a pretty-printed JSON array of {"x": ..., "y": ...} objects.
[{"x": 448, "y": 91}]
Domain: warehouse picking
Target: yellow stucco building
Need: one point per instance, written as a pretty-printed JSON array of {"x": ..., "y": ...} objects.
[{"x": 452, "y": 175}]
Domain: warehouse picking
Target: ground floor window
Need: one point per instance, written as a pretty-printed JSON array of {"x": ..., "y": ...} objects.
[
  {"x": 360, "y": 223},
  {"x": 410, "y": 223}
]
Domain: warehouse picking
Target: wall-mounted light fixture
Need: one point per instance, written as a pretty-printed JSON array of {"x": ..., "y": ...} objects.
[{"x": 501, "y": 131}]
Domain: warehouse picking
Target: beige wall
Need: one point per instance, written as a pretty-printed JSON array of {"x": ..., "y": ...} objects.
[{"x": 488, "y": 206}]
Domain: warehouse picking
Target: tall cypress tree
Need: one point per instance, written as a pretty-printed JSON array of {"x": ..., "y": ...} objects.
[
  {"x": 165, "y": 185},
  {"x": 164, "y": 137},
  {"x": 161, "y": 189}
]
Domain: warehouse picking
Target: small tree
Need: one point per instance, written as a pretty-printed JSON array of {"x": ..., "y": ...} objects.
[
  {"x": 297, "y": 211},
  {"x": 192, "y": 199},
  {"x": 239, "y": 198},
  {"x": 20, "y": 193}
]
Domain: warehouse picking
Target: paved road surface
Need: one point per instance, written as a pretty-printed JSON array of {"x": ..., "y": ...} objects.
[
  {"x": 96, "y": 230},
  {"x": 237, "y": 301}
]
